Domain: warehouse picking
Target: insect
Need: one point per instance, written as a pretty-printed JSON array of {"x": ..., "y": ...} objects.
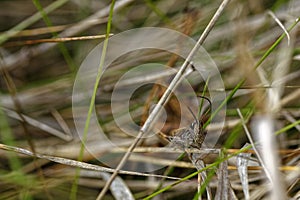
[{"x": 192, "y": 136}]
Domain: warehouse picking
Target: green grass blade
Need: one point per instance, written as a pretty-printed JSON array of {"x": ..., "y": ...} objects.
[
  {"x": 61, "y": 46},
  {"x": 92, "y": 102},
  {"x": 288, "y": 127}
]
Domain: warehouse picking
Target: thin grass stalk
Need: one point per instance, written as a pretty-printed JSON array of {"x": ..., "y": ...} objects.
[
  {"x": 92, "y": 103},
  {"x": 253, "y": 144},
  {"x": 75, "y": 163}
]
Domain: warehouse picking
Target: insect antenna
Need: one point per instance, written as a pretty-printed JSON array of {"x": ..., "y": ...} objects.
[
  {"x": 196, "y": 119},
  {"x": 207, "y": 99},
  {"x": 194, "y": 116},
  {"x": 210, "y": 107}
]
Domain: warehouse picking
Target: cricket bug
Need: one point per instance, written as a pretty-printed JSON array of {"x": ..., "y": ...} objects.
[{"x": 192, "y": 136}]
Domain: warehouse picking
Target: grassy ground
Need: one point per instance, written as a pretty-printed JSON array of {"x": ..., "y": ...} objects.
[{"x": 42, "y": 156}]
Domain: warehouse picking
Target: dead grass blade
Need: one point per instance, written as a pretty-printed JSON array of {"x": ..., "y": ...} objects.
[
  {"x": 38, "y": 124},
  {"x": 118, "y": 188},
  {"x": 242, "y": 165},
  {"x": 263, "y": 129},
  {"x": 54, "y": 40},
  {"x": 75, "y": 163},
  {"x": 199, "y": 164},
  {"x": 222, "y": 192}
]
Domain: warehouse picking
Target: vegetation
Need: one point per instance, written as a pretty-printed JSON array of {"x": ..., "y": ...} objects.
[{"x": 43, "y": 153}]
